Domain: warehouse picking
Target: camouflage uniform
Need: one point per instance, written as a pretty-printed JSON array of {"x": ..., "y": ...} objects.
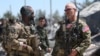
[
  {"x": 11, "y": 44},
  {"x": 32, "y": 38},
  {"x": 42, "y": 32},
  {"x": 81, "y": 44},
  {"x": 27, "y": 14}
]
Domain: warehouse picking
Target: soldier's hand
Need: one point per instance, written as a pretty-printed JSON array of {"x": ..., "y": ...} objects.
[
  {"x": 22, "y": 44},
  {"x": 69, "y": 26},
  {"x": 49, "y": 50},
  {"x": 73, "y": 53}
]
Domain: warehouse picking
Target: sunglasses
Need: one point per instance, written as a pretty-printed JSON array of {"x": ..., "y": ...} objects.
[{"x": 68, "y": 9}]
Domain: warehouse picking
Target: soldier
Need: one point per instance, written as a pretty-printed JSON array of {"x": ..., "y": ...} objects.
[
  {"x": 73, "y": 36},
  {"x": 29, "y": 28},
  {"x": 20, "y": 37},
  {"x": 11, "y": 44},
  {"x": 42, "y": 32}
]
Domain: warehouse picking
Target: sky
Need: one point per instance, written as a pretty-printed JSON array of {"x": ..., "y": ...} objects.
[{"x": 44, "y": 5}]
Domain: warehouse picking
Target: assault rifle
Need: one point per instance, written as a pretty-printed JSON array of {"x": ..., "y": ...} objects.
[{"x": 70, "y": 36}]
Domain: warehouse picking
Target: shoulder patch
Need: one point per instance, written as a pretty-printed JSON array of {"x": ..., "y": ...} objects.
[{"x": 85, "y": 28}]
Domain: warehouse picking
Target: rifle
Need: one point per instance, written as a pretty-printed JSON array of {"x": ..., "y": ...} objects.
[
  {"x": 73, "y": 35},
  {"x": 77, "y": 22},
  {"x": 66, "y": 41}
]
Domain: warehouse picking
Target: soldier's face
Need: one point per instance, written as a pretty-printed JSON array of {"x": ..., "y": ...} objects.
[
  {"x": 70, "y": 12},
  {"x": 42, "y": 22},
  {"x": 30, "y": 16}
]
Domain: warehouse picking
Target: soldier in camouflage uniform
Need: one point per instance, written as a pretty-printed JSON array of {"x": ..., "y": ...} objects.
[
  {"x": 42, "y": 32},
  {"x": 29, "y": 28},
  {"x": 75, "y": 44},
  {"x": 20, "y": 38},
  {"x": 11, "y": 44}
]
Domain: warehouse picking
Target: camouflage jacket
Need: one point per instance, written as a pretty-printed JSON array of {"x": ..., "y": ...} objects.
[
  {"x": 10, "y": 34},
  {"x": 31, "y": 35},
  {"x": 80, "y": 43},
  {"x": 15, "y": 34},
  {"x": 42, "y": 32}
]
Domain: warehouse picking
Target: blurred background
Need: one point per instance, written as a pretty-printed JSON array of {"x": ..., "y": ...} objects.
[{"x": 53, "y": 10}]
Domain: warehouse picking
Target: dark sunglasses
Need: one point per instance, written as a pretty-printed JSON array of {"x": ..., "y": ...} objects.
[{"x": 68, "y": 9}]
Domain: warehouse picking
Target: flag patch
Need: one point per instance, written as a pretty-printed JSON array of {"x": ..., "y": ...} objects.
[{"x": 85, "y": 29}]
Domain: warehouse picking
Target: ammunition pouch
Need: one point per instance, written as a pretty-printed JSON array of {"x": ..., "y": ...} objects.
[{"x": 33, "y": 41}]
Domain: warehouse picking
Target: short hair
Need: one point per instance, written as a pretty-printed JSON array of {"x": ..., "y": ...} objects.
[
  {"x": 70, "y": 5},
  {"x": 43, "y": 18}
]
